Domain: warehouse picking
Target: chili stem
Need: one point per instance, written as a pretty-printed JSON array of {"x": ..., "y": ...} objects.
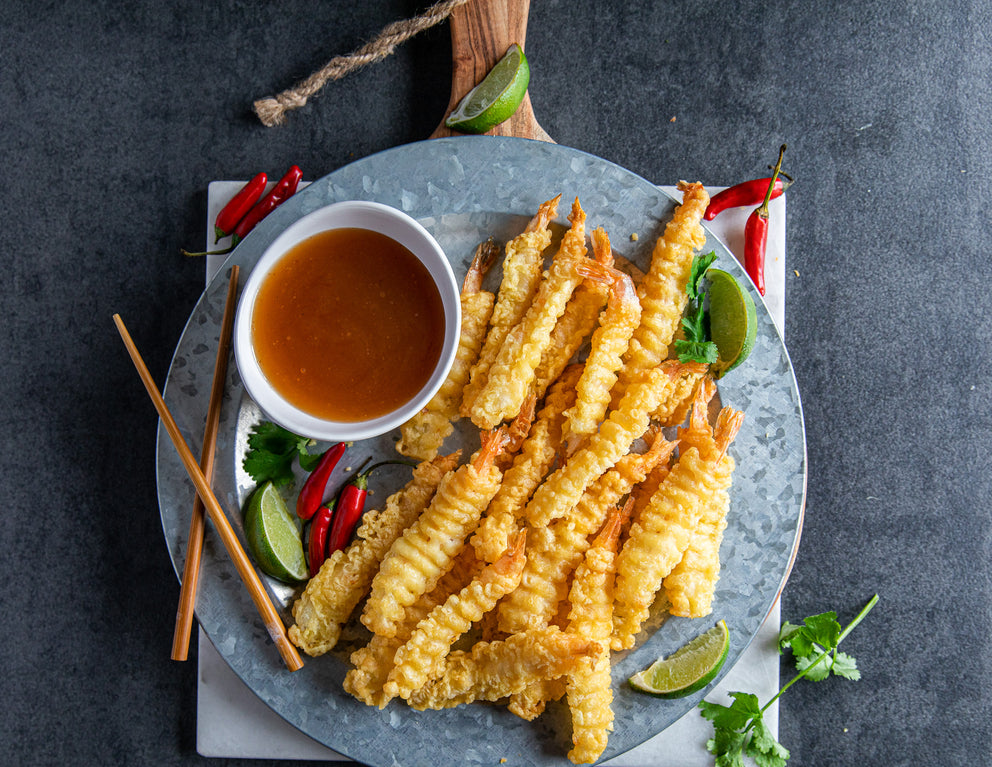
[{"x": 763, "y": 210}]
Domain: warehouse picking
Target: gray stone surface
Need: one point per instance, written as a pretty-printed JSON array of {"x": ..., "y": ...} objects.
[{"x": 115, "y": 117}]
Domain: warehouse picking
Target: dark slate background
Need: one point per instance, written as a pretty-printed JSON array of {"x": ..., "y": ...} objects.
[{"x": 115, "y": 116}]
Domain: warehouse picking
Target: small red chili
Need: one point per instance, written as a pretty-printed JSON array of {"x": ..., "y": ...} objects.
[
  {"x": 317, "y": 542},
  {"x": 756, "y": 233},
  {"x": 312, "y": 493},
  {"x": 232, "y": 213},
  {"x": 281, "y": 192},
  {"x": 744, "y": 194},
  {"x": 350, "y": 505}
]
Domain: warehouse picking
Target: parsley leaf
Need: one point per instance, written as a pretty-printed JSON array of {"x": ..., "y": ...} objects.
[
  {"x": 739, "y": 729},
  {"x": 271, "y": 450}
]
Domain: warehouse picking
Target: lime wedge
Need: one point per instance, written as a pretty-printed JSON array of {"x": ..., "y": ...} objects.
[
  {"x": 273, "y": 537},
  {"x": 496, "y": 98},
  {"x": 733, "y": 320},
  {"x": 688, "y": 669}
]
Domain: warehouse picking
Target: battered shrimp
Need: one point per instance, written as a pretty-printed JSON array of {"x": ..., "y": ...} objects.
[
  {"x": 563, "y": 489},
  {"x": 529, "y": 467},
  {"x": 345, "y": 577},
  {"x": 661, "y": 534},
  {"x": 556, "y": 549},
  {"x": 422, "y": 657},
  {"x": 691, "y": 585},
  {"x": 522, "y": 269},
  {"x": 494, "y": 670},
  {"x": 373, "y": 662},
  {"x": 426, "y": 549},
  {"x": 662, "y": 291},
  {"x": 609, "y": 342},
  {"x": 589, "y": 690},
  {"x": 576, "y": 324},
  {"x": 423, "y": 435},
  {"x": 513, "y": 371}
]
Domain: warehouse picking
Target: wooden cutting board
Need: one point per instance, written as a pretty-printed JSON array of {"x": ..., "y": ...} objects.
[{"x": 481, "y": 31}]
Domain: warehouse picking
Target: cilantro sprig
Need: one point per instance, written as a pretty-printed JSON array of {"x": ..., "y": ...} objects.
[
  {"x": 697, "y": 346},
  {"x": 739, "y": 729},
  {"x": 271, "y": 450}
]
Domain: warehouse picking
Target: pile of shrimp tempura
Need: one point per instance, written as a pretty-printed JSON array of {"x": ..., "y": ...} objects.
[{"x": 547, "y": 550}]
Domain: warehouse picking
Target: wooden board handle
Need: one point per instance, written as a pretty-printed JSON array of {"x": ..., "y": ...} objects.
[{"x": 481, "y": 31}]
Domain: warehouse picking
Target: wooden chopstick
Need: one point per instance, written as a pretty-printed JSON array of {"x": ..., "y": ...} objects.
[
  {"x": 194, "y": 545},
  {"x": 273, "y": 623}
]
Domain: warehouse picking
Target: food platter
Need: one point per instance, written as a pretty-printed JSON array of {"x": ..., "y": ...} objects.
[{"x": 464, "y": 190}]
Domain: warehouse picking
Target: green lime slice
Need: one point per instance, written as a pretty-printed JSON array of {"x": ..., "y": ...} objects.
[
  {"x": 273, "y": 537},
  {"x": 688, "y": 669},
  {"x": 733, "y": 320},
  {"x": 496, "y": 98}
]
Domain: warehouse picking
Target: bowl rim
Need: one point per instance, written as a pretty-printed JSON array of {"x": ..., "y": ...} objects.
[{"x": 362, "y": 214}]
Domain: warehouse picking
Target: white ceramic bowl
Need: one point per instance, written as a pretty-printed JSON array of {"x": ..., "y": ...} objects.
[{"x": 362, "y": 215}]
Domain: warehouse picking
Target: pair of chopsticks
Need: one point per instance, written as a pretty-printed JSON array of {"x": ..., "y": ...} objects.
[{"x": 206, "y": 500}]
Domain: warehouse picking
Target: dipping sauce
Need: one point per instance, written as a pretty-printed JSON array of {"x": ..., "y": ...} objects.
[{"x": 348, "y": 326}]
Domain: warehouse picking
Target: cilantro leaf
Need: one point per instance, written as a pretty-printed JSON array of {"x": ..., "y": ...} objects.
[
  {"x": 692, "y": 351},
  {"x": 699, "y": 266},
  {"x": 763, "y": 748},
  {"x": 845, "y": 666},
  {"x": 697, "y": 346},
  {"x": 739, "y": 730},
  {"x": 271, "y": 450}
]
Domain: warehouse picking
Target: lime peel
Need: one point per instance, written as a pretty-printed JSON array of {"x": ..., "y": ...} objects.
[
  {"x": 733, "y": 320},
  {"x": 496, "y": 98},
  {"x": 688, "y": 669},
  {"x": 273, "y": 537}
]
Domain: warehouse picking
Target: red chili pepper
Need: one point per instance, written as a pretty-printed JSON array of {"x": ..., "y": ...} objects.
[
  {"x": 317, "y": 543},
  {"x": 744, "y": 194},
  {"x": 756, "y": 233},
  {"x": 239, "y": 206},
  {"x": 281, "y": 192},
  {"x": 312, "y": 493},
  {"x": 351, "y": 504}
]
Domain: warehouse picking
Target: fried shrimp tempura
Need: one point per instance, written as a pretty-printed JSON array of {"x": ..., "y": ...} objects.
[
  {"x": 522, "y": 268},
  {"x": 575, "y": 325},
  {"x": 426, "y": 549},
  {"x": 529, "y": 467},
  {"x": 512, "y": 373},
  {"x": 422, "y": 657},
  {"x": 494, "y": 670},
  {"x": 662, "y": 291},
  {"x": 423, "y": 435},
  {"x": 589, "y": 689},
  {"x": 345, "y": 577},
  {"x": 691, "y": 585},
  {"x": 563, "y": 489},
  {"x": 609, "y": 343},
  {"x": 661, "y": 534},
  {"x": 557, "y": 549}
]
